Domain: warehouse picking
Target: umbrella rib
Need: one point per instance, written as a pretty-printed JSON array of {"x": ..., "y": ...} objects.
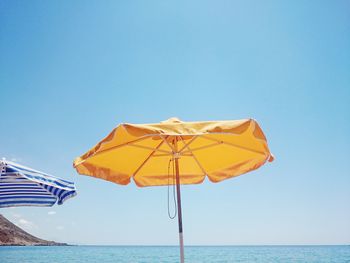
[
  {"x": 195, "y": 158},
  {"x": 146, "y": 160},
  {"x": 234, "y": 145},
  {"x": 165, "y": 140},
  {"x": 162, "y": 154},
  {"x": 188, "y": 143},
  {"x": 149, "y": 148},
  {"x": 204, "y": 147},
  {"x": 117, "y": 146}
]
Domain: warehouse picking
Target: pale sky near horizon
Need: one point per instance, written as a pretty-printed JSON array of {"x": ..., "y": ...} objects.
[{"x": 70, "y": 71}]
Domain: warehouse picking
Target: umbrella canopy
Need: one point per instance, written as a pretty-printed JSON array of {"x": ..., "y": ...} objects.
[
  {"x": 216, "y": 149},
  {"x": 23, "y": 186}
]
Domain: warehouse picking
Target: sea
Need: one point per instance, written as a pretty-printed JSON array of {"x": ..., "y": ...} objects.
[{"x": 170, "y": 254}]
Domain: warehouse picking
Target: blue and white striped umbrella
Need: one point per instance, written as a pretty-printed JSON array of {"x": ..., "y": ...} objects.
[{"x": 23, "y": 186}]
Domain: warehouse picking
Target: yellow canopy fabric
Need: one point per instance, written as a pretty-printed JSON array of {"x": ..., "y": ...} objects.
[{"x": 216, "y": 149}]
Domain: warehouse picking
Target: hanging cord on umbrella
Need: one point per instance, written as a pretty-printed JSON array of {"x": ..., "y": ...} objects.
[{"x": 175, "y": 204}]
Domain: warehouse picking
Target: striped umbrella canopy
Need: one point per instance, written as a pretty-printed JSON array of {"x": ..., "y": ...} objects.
[{"x": 23, "y": 186}]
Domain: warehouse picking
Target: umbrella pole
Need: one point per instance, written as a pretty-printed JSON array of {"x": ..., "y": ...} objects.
[{"x": 179, "y": 214}]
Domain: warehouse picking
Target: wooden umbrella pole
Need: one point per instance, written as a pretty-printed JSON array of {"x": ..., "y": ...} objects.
[{"x": 179, "y": 213}]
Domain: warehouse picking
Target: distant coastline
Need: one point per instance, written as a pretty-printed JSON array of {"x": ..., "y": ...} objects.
[{"x": 12, "y": 235}]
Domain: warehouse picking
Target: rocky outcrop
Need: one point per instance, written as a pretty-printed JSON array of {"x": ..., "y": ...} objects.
[{"x": 12, "y": 235}]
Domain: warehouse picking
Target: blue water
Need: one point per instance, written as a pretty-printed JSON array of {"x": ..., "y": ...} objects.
[{"x": 143, "y": 254}]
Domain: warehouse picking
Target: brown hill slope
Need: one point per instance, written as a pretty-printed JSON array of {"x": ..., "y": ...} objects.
[{"x": 12, "y": 235}]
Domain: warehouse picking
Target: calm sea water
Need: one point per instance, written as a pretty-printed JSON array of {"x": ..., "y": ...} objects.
[{"x": 106, "y": 254}]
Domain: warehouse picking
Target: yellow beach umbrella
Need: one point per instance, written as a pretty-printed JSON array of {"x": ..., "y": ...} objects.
[{"x": 215, "y": 149}]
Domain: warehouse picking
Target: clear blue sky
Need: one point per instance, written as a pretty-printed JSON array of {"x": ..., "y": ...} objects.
[{"x": 70, "y": 71}]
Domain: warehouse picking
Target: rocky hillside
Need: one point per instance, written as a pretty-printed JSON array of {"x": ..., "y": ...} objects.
[{"x": 12, "y": 235}]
